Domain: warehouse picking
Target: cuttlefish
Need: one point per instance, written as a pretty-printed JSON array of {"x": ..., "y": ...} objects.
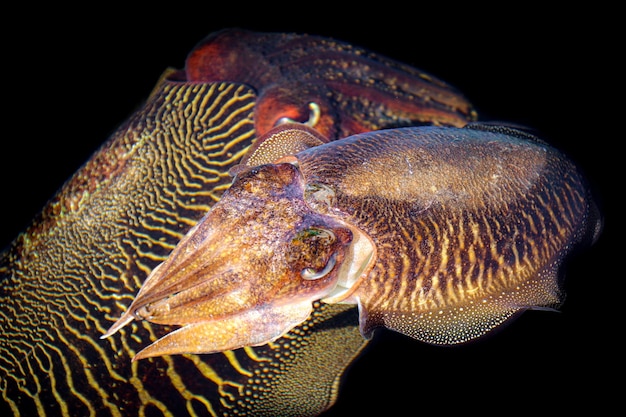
[{"x": 440, "y": 233}]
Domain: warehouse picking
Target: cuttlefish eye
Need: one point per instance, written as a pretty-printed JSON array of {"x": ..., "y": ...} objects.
[{"x": 312, "y": 253}]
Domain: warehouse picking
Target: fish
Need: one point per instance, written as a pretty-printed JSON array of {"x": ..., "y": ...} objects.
[{"x": 443, "y": 234}]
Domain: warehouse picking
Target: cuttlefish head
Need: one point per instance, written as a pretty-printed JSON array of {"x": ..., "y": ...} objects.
[{"x": 248, "y": 272}]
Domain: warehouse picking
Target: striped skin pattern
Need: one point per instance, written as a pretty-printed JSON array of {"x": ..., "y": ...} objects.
[
  {"x": 470, "y": 225},
  {"x": 78, "y": 266},
  {"x": 173, "y": 159}
]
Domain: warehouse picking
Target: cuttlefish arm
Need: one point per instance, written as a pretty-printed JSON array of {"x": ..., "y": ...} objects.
[{"x": 442, "y": 234}]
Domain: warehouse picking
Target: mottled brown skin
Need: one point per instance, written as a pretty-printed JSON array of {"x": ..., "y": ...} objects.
[
  {"x": 65, "y": 279},
  {"x": 442, "y": 234}
]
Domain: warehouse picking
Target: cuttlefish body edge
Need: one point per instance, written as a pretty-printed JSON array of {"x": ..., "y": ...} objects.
[{"x": 439, "y": 233}]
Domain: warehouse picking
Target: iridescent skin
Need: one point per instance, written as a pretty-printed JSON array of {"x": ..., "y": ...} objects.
[{"x": 442, "y": 234}]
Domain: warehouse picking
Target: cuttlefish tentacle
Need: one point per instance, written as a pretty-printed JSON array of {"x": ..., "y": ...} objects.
[{"x": 442, "y": 234}]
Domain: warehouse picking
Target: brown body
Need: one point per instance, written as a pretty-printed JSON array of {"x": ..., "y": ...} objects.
[{"x": 442, "y": 234}]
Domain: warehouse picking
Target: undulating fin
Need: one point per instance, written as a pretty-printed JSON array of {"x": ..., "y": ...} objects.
[
  {"x": 286, "y": 139},
  {"x": 463, "y": 322},
  {"x": 506, "y": 128}
]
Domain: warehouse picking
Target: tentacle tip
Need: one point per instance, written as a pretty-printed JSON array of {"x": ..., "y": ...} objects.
[
  {"x": 108, "y": 333},
  {"x": 123, "y": 321}
]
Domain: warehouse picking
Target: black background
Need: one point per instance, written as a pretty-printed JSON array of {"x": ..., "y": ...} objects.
[{"x": 72, "y": 76}]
